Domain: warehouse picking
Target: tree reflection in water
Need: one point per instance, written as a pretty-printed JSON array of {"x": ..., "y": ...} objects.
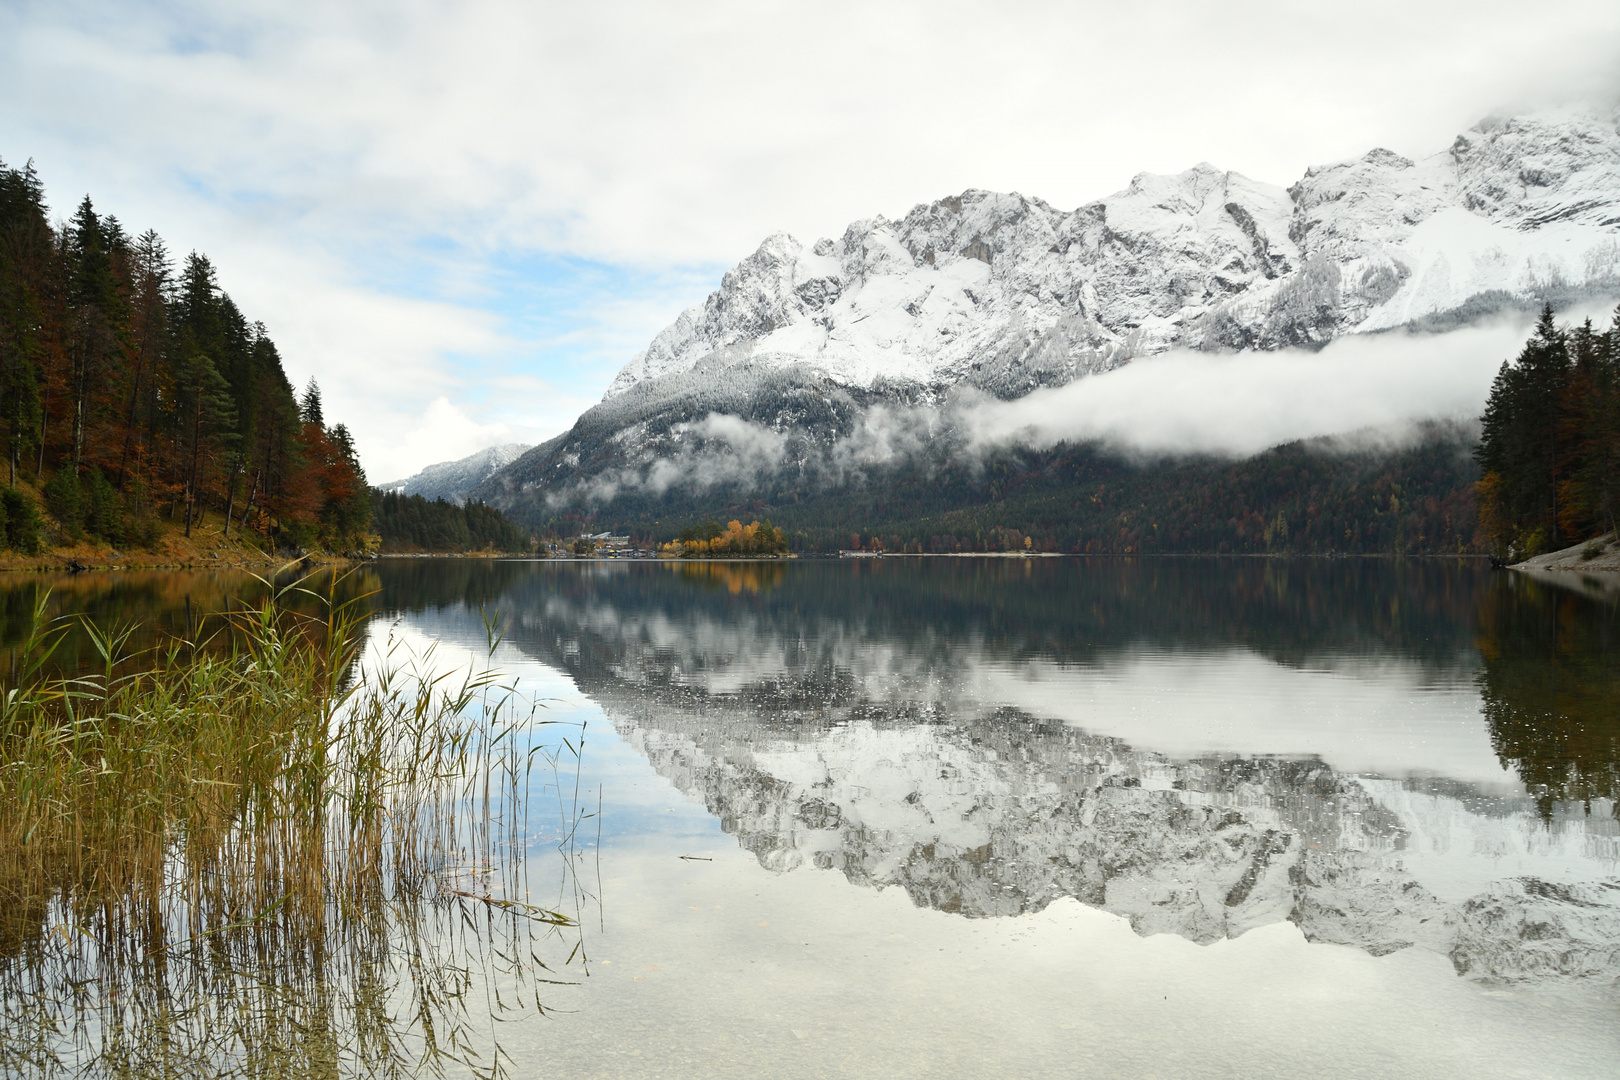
[{"x": 1550, "y": 687}]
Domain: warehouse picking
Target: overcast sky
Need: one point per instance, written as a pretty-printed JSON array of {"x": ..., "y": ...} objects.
[{"x": 463, "y": 217}]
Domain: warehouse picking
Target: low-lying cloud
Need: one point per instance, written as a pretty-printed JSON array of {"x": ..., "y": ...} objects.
[
  {"x": 1186, "y": 402},
  {"x": 1360, "y": 391}
]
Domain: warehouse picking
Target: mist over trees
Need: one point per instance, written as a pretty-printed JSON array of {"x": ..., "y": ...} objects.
[
  {"x": 132, "y": 388},
  {"x": 1550, "y": 441},
  {"x": 1312, "y": 497}
]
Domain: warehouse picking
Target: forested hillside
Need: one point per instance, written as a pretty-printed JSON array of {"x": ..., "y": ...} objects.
[
  {"x": 1550, "y": 445},
  {"x": 409, "y": 523},
  {"x": 1314, "y": 497},
  {"x": 134, "y": 392}
]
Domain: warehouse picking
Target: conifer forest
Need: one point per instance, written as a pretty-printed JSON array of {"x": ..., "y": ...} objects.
[
  {"x": 136, "y": 396},
  {"x": 1550, "y": 441},
  {"x": 411, "y": 523}
]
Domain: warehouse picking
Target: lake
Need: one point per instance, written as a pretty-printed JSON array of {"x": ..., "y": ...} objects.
[{"x": 1015, "y": 817}]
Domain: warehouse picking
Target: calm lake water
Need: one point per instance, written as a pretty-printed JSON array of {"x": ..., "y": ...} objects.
[{"x": 1008, "y": 818}]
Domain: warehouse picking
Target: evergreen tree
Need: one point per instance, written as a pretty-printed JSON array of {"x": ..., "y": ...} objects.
[
  {"x": 27, "y": 252},
  {"x": 151, "y": 295},
  {"x": 1589, "y": 434},
  {"x": 209, "y": 417},
  {"x": 99, "y": 319},
  {"x": 412, "y": 523},
  {"x": 124, "y": 384},
  {"x": 1520, "y": 448},
  {"x": 309, "y": 406}
]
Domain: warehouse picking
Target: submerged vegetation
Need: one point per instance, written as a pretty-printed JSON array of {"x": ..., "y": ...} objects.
[{"x": 276, "y": 853}]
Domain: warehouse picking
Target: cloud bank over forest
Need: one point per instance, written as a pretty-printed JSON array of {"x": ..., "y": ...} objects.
[{"x": 1369, "y": 391}]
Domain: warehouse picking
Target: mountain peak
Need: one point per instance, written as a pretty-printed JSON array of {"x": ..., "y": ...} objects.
[
  {"x": 452, "y": 480},
  {"x": 1205, "y": 258}
]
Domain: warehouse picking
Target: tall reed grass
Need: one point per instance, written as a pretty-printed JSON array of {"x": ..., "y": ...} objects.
[{"x": 264, "y": 857}]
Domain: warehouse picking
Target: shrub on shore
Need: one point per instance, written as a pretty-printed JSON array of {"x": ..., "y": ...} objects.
[{"x": 709, "y": 539}]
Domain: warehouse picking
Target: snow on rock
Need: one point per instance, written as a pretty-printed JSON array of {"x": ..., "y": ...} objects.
[
  {"x": 452, "y": 480},
  {"x": 999, "y": 814},
  {"x": 1008, "y": 293},
  {"x": 810, "y": 346}
]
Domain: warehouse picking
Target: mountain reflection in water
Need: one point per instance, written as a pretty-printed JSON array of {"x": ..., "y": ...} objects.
[
  {"x": 1201, "y": 746},
  {"x": 854, "y": 718}
]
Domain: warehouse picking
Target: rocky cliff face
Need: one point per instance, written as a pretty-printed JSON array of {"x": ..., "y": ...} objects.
[{"x": 1005, "y": 293}]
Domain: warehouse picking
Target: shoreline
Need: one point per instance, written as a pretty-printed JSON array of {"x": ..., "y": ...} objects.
[
  {"x": 1591, "y": 568},
  {"x": 83, "y": 558}
]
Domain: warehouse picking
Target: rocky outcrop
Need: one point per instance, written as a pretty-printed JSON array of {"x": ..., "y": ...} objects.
[{"x": 1007, "y": 293}]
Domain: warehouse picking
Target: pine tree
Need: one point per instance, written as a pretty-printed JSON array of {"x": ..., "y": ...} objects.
[
  {"x": 26, "y": 254},
  {"x": 151, "y": 287},
  {"x": 123, "y": 382},
  {"x": 209, "y": 414},
  {"x": 99, "y": 323}
]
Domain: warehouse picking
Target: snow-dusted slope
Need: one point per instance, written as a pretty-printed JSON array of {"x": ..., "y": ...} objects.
[
  {"x": 967, "y": 287},
  {"x": 1001, "y": 813},
  {"x": 451, "y": 480},
  {"x": 1005, "y": 294}
]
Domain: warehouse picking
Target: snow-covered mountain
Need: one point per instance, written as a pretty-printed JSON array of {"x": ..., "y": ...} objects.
[
  {"x": 452, "y": 480},
  {"x": 1009, "y": 291},
  {"x": 1001, "y": 813},
  {"x": 1005, "y": 293}
]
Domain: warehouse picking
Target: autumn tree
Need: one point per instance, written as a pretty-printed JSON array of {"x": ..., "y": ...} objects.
[{"x": 125, "y": 383}]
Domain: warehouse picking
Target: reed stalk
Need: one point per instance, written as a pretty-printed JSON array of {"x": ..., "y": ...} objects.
[{"x": 273, "y": 854}]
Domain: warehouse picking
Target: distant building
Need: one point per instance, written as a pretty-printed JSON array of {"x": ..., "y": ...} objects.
[{"x": 607, "y": 541}]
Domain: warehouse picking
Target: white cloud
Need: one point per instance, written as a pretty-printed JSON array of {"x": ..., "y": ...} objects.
[
  {"x": 1238, "y": 404},
  {"x": 442, "y": 432}
]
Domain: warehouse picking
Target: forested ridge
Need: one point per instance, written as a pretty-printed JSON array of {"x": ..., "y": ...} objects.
[
  {"x": 1540, "y": 472},
  {"x": 134, "y": 392},
  {"x": 1312, "y": 497},
  {"x": 408, "y": 523},
  {"x": 1550, "y": 441}
]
